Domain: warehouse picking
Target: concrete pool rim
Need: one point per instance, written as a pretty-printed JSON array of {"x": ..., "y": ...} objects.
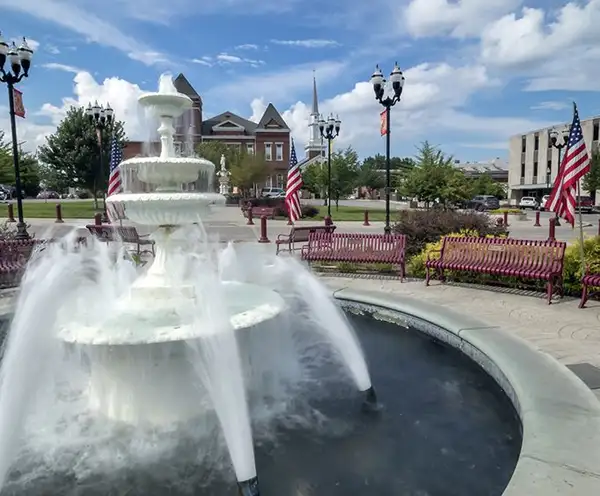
[{"x": 559, "y": 414}]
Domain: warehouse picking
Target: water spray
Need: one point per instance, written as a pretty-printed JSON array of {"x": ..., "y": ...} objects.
[
  {"x": 249, "y": 487},
  {"x": 370, "y": 403}
]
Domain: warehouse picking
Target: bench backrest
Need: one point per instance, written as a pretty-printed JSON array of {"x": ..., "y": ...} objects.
[
  {"x": 17, "y": 250},
  {"x": 505, "y": 252},
  {"x": 301, "y": 233},
  {"x": 359, "y": 247},
  {"x": 127, "y": 234}
]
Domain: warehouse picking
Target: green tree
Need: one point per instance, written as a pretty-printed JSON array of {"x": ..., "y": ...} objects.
[
  {"x": 591, "y": 181},
  {"x": 314, "y": 178},
  {"x": 73, "y": 153},
  {"x": 483, "y": 184},
  {"x": 371, "y": 176},
  {"x": 28, "y": 167},
  {"x": 344, "y": 173},
  {"x": 213, "y": 149},
  {"x": 247, "y": 170},
  {"x": 435, "y": 179}
]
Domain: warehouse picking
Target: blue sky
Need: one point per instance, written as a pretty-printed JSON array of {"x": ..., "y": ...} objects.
[{"x": 477, "y": 71}]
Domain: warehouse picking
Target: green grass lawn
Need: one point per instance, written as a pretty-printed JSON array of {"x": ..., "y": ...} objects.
[
  {"x": 344, "y": 213},
  {"x": 80, "y": 209}
]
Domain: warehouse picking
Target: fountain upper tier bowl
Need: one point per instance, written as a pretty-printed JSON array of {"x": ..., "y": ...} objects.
[
  {"x": 163, "y": 208},
  {"x": 172, "y": 171},
  {"x": 166, "y": 104}
]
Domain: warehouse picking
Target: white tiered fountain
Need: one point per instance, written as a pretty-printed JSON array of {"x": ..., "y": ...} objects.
[{"x": 140, "y": 369}]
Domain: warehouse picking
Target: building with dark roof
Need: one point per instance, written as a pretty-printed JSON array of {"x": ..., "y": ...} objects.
[{"x": 270, "y": 136}]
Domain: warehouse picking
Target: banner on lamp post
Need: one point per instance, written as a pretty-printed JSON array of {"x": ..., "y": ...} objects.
[
  {"x": 18, "y": 102},
  {"x": 383, "y": 122}
]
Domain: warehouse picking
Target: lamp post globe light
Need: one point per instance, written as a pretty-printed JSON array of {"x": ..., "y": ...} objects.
[
  {"x": 101, "y": 118},
  {"x": 330, "y": 129},
  {"x": 558, "y": 140},
  {"x": 388, "y": 101},
  {"x": 19, "y": 59}
]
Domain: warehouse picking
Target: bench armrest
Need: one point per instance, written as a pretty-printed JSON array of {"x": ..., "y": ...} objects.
[
  {"x": 284, "y": 237},
  {"x": 432, "y": 251}
]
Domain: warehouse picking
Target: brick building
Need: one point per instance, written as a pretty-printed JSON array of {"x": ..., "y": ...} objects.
[{"x": 270, "y": 136}]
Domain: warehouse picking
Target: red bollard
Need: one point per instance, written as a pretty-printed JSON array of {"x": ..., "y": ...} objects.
[
  {"x": 11, "y": 213},
  {"x": 59, "y": 219},
  {"x": 249, "y": 215},
  {"x": 98, "y": 219},
  {"x": 552, "y": 230},
  {"x": 505, "y": 219},
  {"x": 537, "y": 219},
  {"x": 328, "y": 220},
  {"x": 366, "y": 222},
  {"x": 263, "y": 230}
]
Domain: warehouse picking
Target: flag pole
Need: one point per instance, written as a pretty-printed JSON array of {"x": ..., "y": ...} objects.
[{"x": 581, "y": 250}]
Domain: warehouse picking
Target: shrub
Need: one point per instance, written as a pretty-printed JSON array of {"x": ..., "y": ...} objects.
[
  {"x": 307, "y": 211},
  {"x": 428, "y": 226},
  {"x": 510, "y": 211},
  {"x": 572, "y": 267},
  {"x": 8, "y": 232}
]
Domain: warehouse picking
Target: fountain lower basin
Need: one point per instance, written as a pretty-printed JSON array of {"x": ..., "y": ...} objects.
[{"x": 140, "y": 367}]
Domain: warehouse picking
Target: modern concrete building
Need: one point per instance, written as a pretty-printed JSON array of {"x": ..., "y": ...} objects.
[{"x": 533, "y": 161}]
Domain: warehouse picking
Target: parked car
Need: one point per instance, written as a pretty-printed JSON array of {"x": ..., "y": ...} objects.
[
  {"x": 545, "y": 199},
  {"x": 585, "y": 204},
  {"x": 272, "y": 193},
  {"x": 48, "y": 195},
  {"x": 529, "y": 202},
  {"x": 483, "y": 202}
]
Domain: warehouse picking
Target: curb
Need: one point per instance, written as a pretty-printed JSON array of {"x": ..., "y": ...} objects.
[{"x": 560, "y": 416}]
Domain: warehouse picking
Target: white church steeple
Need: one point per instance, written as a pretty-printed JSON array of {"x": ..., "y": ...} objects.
[{"x": 315, "y": 145}]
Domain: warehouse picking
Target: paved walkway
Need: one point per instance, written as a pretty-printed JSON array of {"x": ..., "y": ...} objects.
[{"x": 569, "y": 334}]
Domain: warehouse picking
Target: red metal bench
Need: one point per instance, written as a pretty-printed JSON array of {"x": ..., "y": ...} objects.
[
  {"x": 540, "y": 260},
  {"x": 125, "y": 234},
  {"x": 588, "y": 281},
  {"x": 356, "y": 248},
  {"x": 268, "y": 212},
  {"x": 14, "y": 255},
  {"x": 299, "y": 234}
]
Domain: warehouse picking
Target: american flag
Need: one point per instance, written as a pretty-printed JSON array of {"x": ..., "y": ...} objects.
[
  {"x": 575, "y": 165},
  {"x": 114, "y": 179},
  {"x": 293, "y": 186}
]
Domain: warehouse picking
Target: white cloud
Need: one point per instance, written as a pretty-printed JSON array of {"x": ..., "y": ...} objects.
[
  {"x": 457, "y": 18},
  {"x": 246, "y": 46},
  {"x": 551, "y": 105},
  {"x": 85, "y": 23},
  {"x": 226, "y": 58},
  {"x": 62, "y": 67},
  {"x": 556, "y": 49},
  {"x": 310, "y": 43},
  {"x": 50, "y": 48},
  {"x": 203, "y": 61}
]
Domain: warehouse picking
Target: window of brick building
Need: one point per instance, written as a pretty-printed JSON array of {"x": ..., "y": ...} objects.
[{"x": 269, "y": 151}]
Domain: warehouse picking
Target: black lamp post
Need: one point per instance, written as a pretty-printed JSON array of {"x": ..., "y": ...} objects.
[
  {"x": 554, "y": 136},
  {"x": 20, "y": 62},
  {"x": 330, "y": 129},
  {"x": 378, "y": 82},
  {"x": 101, "y": 118}
]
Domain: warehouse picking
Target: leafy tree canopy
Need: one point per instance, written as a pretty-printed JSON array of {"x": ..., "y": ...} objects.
[
  {"x": 28, "y": 166},
  {"x": 71, "y": 155},
  {"x": 591, "y": 181}
]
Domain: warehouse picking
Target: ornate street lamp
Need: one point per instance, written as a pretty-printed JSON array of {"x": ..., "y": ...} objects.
[
  {"x": 101, "y": 118},
  {"x": 330, "y": 129},
  {"x": 558, "y": 141},
  {"x": 379, "y": 82},
  {"x": 20, "y": 62}
]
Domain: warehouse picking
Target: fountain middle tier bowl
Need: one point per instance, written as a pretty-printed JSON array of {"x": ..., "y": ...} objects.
[
  {"x": 164, "y": 320},
  {"x": 166, "y": 104},
  {"x": 169, "y": 171},
  {"x": 163, "y": 208}
]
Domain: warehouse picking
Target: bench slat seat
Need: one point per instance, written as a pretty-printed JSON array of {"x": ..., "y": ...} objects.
[
  {"x": 299, "y": 234},
  {"x": 356, "y": 248},
  {"x": 540, "y": 260},
  {"x": 589, "y": 280}
]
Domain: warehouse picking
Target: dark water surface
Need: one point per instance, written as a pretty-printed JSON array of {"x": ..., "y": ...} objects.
[{"x": 446, "y": 430}]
